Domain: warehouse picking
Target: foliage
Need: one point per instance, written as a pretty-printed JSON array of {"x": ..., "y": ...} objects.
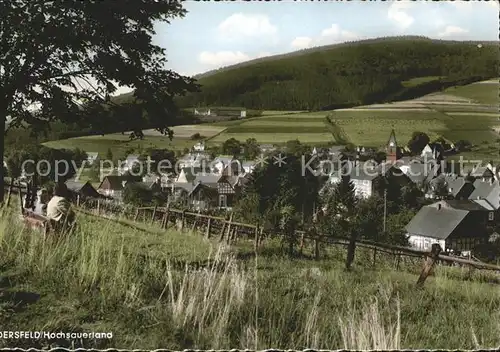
[
  {"x": 231, "y": 147},
  {"x": 418, "y": 142},
  {"x": 273, "y": 187},
  {"x": 463, "y": 145},
  {"x": 109, "y": 155},
  {"x": 98, "y": 45},
  {"x": 50, "y": 161},
  {"x": 356, "y": 73},
  {"x": 251, "y": 149},
  {"x": 137, "y": 194}
]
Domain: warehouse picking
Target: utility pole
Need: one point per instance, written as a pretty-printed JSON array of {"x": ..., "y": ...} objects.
[{"x": 385, "y": 207}]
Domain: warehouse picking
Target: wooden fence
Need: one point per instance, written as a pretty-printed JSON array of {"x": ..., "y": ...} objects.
[{"x": 225, "y": 229}]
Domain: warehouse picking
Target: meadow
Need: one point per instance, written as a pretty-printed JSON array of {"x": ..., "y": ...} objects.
[
  {"x": 456, "y": 113},
  {"x": 140, "y": 283},
  {"x": 120, "y": 143}
]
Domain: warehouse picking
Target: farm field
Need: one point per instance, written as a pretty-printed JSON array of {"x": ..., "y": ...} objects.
[
  {"x": 132, "y": 281},
  {"x": 482, "y": 92},
  {"x": 119, "y": 143},
  {"x": 306, "y": 127}
]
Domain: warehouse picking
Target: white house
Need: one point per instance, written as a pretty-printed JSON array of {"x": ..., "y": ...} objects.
[
  {"x": 91, "y": 157},
  {"x": 199, "y": 147},
  {"x": 220, "y": 163},
  {"x": 362, "y": 175},
  {"x": 129, "y": 163}
]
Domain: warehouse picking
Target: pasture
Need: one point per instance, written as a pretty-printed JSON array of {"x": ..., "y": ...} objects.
[
  {"x": 306, "y": 127},
  {"x": 132, "y": 281},
  {"x": 119, "y": 144},
  {"x": 481, "y": 92}
]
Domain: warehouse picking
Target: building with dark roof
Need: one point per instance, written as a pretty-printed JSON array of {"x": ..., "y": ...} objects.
[
  {"x": 81, "y": 190},
  {"x": 453, "y": 229},
  {"x": 488, "y": 190}
]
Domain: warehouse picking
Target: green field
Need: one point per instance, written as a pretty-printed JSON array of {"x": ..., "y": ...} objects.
[
  {"x": 306, "y": 127},
  {"x": 484, "y": 93},
  {"x": 132, "y": 281},
  {"x": 119, "y": 143}
]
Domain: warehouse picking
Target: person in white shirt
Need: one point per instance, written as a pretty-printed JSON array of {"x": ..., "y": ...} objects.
[{"x": 59, "y": 207}]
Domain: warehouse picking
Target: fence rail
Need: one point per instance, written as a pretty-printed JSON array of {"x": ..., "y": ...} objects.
[{"x": 230, "y": 231}]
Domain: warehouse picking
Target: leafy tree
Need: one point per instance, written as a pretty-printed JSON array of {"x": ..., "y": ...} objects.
[
  {"x": 162, "y": 160},
  {"x": 67, "y": 57},
  {"x": 463, "y": 145},
  {"x": 95, "y": 170},
  {"x": 289, "y": 220},
  {"x": 418, "y": 141},
  {"x": 109, "y": 154},
  {"x": 137, "y": 194},
  {"x": 231, "y": 147},
  {"x": 251, "y": 149},
  {"x": 294, "y": 147},
  {"x": 274, "y": 187}
]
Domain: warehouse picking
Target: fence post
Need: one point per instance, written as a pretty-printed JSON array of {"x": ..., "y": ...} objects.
[
  {"x": 229, "y": 227},
  {"x": 209, "y": 225},
  {"x": 351, "y": 249},
  {"x": 165, "y": 218},
  {"x": 256, "y": 243},
  {"x": 136, "y": 214},
  {"x": 77, "y": 200},
  {"x": 316, "y": 248},
  {"x": 98, "y": 206},
  {"x": 10, "y": 191},
  {"x": 301, "y": 245},
  {"x": 183, "y": 219},
  {"x": 154, "y": 214},
  {"x": 21, "y": 198},
  {"x": 429, "y": 263},
  {"x": 374, "y": 255}
]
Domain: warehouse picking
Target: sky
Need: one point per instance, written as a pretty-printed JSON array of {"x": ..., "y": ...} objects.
[{"x": 217, "y": 34}]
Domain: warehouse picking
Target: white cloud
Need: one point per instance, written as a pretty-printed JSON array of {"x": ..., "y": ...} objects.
[
  {"x": 331, "y": 35},
  {"x": 301, "y": 43},
  {"x": 397, "y": 13},
  {"x": 240, "y": 25},
  {"x": 227, "y": 58},
  {"x": 335, "y": 34},
  {"x": 222, "y": 58},
  {"x": 450, "y": 31}
]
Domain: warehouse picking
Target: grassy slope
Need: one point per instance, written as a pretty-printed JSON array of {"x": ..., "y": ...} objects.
[{"x": 109, "y": 277}]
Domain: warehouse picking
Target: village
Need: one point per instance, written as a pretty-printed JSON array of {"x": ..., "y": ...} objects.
[{"x": 461, "y": 204}]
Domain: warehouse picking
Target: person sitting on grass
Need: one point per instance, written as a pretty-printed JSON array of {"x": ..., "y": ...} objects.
[{"x": 59, "y": 209}]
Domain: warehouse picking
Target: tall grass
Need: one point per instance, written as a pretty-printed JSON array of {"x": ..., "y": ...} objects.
[{"x": 131, "y": 283}]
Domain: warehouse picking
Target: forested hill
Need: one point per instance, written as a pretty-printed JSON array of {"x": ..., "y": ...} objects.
[{"x": 363, "y": 72}]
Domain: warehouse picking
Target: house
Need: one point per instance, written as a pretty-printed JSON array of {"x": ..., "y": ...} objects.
[
  {"x": 154, "y": 186},
  {"x": 362, "y": 174},
  {"x": 483, "y": 173},
  {"x": 459, "y": 187},
  {"x": 392, "y": 150},
  {"x": 189, "y": 174},
  {"x": 248, "y": 166},
  {"x": 487, "y": 190},
  {"x": 453, "y": 229},
  {"x": 91, "y": 158},
  {"x": 193, "y": 160},
  {"x": 129, "y": 164},
  {"x": 81, "y": 190},
  {"x": 479, "y": 208},
  {"x": 199, "y": 147},
  {"x": 220, "y": 163},
  {"x": 112, "y": 186},
  {"x": 202, "y": 112},
  {"x": 267, "y": 148}
]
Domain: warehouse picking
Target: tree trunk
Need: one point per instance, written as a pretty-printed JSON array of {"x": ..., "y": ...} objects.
[
  {"x": 3, "y": 111},
  {"x": 351, "y": 248}
]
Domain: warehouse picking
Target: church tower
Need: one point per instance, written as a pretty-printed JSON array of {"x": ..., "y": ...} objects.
[{"x": 392, "y": 148}]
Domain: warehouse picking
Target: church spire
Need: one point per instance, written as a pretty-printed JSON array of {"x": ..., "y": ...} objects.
[{"x": 392, "y": 147}]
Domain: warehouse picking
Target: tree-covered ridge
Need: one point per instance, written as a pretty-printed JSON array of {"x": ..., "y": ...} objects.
[{"x": 351, "y": 74}]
